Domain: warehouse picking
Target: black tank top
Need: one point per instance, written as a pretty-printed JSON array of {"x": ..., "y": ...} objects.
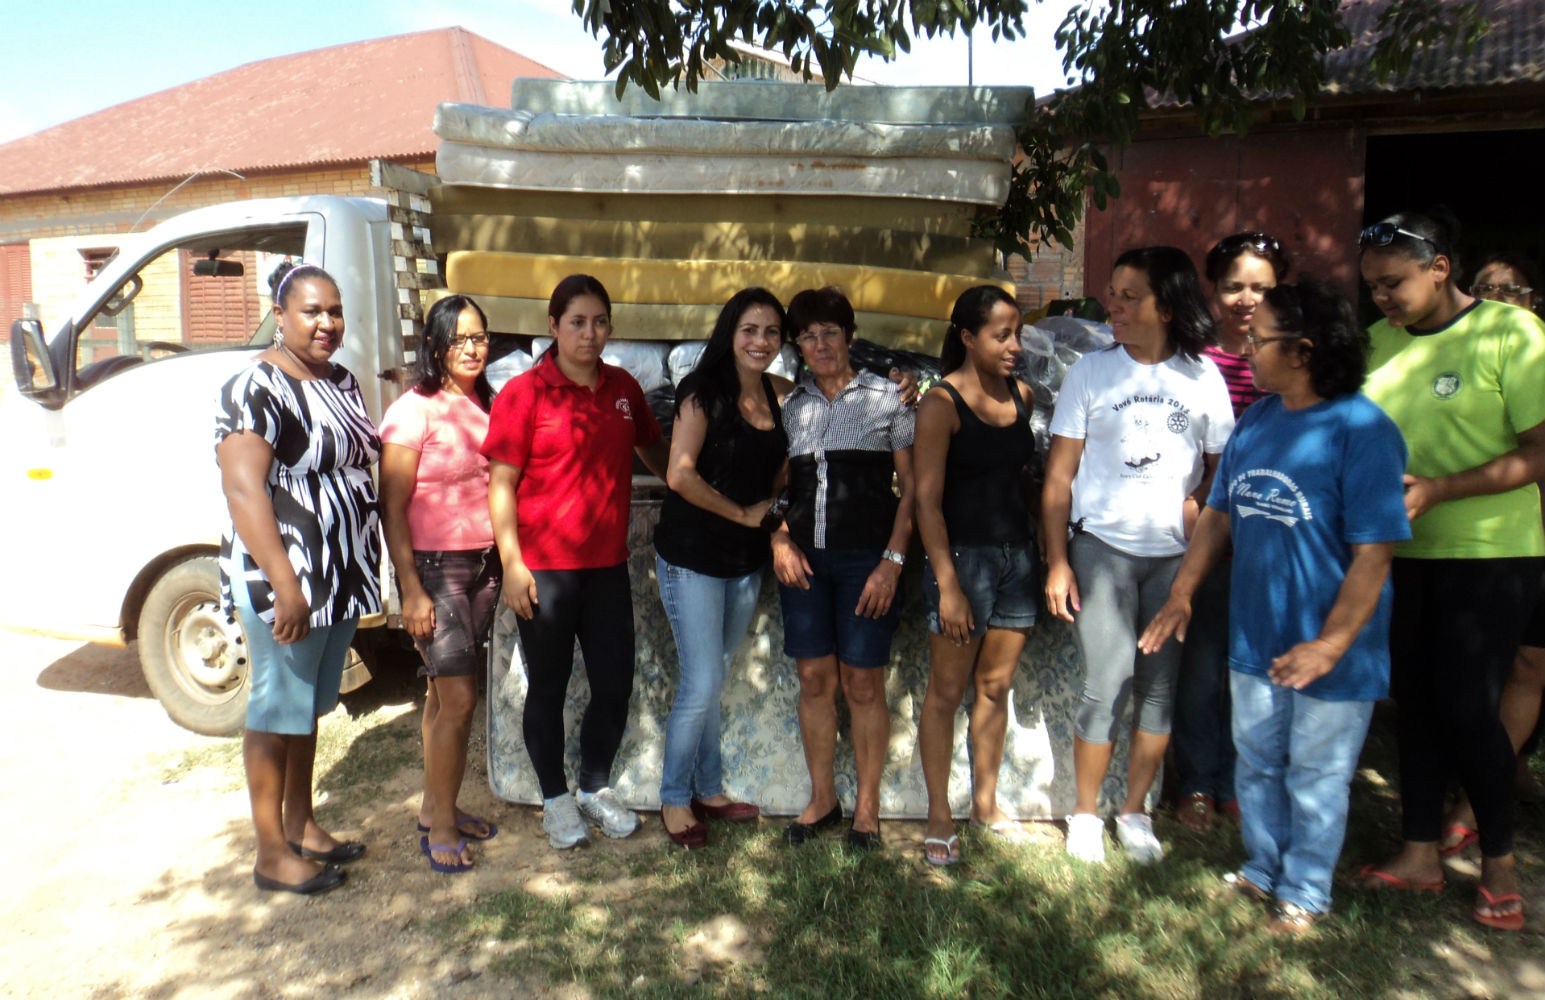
[
  {"x": 984, "y": 499},
  {"x": 740, "y": 461}
]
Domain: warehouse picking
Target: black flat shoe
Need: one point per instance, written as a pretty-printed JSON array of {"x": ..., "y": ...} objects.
[
  {"x": 347, "y": 851},
  {"x": 797, "y": 833},
  {"x": 863, "y": 840},
  {"x": 330, "y": 877}
]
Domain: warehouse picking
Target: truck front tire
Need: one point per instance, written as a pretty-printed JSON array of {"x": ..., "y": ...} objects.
[{"x": 193, "y": 652}]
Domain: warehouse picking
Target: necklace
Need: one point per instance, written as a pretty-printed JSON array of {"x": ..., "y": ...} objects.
[{"x": 285, "y": 349}]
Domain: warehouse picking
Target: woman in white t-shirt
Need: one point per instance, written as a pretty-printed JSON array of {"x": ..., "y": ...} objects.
[
  {"x": 434, "y": 504},
  {"x": 1136, "y": 435}
]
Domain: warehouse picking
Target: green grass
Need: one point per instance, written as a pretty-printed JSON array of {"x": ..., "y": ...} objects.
[{"x": 1008, "y": 922}]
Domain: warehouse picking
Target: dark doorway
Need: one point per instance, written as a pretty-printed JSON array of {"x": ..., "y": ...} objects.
[{"x": 1490, "y": 180}]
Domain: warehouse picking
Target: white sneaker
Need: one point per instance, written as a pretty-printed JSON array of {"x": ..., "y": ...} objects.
[
  {"x": 1086, "y": 838},
  {"x": 562, "y": 823},
  {"x": 602, "y": 809},
  {"x": 1135, "y": 831}
]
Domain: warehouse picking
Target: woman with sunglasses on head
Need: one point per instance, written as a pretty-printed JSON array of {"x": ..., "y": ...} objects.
[
  {"x": 1309, "y": 493},
  {"x": 434, "y": 508},
  {"x": 1510, "y": 278},
  {"x": 561, "y": 441},
  {"x": 1464, "y": 379},
  {"x": 1136, "y": 435},
  {"x": 728, "y": 450},
  {"x": 1242, "y": 268}
]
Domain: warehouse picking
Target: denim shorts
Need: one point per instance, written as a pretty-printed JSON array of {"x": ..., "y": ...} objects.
[
  {"x": 465, "y": 588},
  {"x": 820, "y": 621},
  {"x": 1001, "y": 583},
  {"x": 294, "y": 683}
]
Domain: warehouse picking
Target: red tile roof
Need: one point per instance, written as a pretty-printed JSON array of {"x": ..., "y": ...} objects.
[{"x": 335, "y": 105}]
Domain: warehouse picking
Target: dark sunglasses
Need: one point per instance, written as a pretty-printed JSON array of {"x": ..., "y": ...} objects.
[
  {"x": 1382, "y": 234},
  {"x": 1259, "y": 242}
]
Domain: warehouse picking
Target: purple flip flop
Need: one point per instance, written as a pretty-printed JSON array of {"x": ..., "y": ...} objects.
[{"x": 440, "y": 866}]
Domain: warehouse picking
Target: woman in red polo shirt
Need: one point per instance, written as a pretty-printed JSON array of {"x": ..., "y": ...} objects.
[{"x": 561, "y": 439}]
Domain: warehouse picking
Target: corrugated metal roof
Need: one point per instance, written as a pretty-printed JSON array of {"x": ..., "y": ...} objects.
[
  {"x": 341, "y": 104},
  {"x": 1513, "y": 51}
]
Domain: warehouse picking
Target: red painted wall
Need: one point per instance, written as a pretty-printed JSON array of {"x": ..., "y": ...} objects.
[{"x": 1304, "y": 187}]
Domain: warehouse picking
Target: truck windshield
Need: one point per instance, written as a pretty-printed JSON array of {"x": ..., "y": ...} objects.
[{"x": 209, "y": 293}]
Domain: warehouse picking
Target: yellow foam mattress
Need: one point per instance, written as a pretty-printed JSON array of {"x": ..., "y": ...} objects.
[
  {"x": 724, "y": 240},
  {"x": 921, "y": 294},
  {"x": 945, "y": 218},
  {"x": 635, "y": 321}
]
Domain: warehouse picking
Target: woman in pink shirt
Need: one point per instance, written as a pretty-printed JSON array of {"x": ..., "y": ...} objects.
[{"x": 434, "y": 505}]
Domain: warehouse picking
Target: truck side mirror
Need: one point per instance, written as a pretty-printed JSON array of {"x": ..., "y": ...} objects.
[{"x": 32, "y": 365}]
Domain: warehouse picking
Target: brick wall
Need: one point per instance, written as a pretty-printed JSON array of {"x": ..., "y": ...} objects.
[{"x": 1051, "y": 272}]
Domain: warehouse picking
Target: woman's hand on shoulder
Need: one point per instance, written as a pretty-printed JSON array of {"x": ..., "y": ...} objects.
[
  {"x": 906, "y": 385},
  {"x": 781, "y": 386}
]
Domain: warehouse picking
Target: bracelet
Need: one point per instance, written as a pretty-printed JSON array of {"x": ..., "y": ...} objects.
[{"x": 896, "y": 557}]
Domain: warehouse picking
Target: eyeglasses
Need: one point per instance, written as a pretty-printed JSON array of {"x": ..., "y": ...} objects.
[
  {"x": 477, "y": 340},
  {"x": 1382, "y": 234},
  {"x": 1254, "y": 343},
  {"x": 1486, "y": 290},
  {"x": 810, "y": 338},
  {"x": 1259, "y": 242}
]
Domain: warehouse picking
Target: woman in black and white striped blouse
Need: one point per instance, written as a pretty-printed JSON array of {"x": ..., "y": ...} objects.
[{"x": 299, "y": 564}]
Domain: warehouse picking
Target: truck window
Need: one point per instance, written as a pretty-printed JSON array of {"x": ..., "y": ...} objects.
[{"x": 209, "y": 294}]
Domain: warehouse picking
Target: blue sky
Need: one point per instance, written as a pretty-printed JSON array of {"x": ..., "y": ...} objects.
[{"x": 70, "y": 59}]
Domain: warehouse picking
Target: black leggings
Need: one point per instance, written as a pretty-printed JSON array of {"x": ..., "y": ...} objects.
[
  {"x": 596, "y": 607},
  {"x": 1454, "y": 631}
]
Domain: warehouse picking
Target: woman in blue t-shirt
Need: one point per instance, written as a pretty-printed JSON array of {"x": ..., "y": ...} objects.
[{"x": 1309, "y": 489}]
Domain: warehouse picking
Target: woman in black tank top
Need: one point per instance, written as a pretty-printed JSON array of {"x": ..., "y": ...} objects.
[
  {"x": 728, "y": 451},
  {"x": 973, "y": 446}
]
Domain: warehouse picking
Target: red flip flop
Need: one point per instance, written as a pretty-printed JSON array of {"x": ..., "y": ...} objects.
[
  {"x": 1395, "y": 882},
  {"x": 1501, "y": 921},
  {"x": 1467, "y": 836}
]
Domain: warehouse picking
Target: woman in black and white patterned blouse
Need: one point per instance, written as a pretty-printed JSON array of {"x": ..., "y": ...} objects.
[{"x": 300, "y": 563}]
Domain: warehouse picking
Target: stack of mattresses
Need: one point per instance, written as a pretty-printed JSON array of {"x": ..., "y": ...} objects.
[{"x": 676, "y": 205}]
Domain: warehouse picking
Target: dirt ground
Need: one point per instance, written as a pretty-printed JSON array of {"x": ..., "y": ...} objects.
[
  {"x": 122, "y": 883},
  {"x": 128, "y": 877}
]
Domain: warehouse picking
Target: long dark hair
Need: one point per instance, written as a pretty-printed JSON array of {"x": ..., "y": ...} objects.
[
  {"x": 972, "y": 311},
  {"x": 1178, "y": 290},
  {"x": 713, "y": 381},
  {"x": 439, "y": 328},
  {"x": 1231, "y": 248},
  {"x": 1338, "y": 346}
]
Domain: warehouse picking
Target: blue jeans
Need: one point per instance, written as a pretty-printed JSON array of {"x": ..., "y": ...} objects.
[
  {"x": 1204, "y": 749},
  {"x": 708, "y": 616},
  {"x": 1297, "y": 756}
]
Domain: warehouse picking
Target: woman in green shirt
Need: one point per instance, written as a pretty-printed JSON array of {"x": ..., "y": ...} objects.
[{"x": 1464, "y": 379}]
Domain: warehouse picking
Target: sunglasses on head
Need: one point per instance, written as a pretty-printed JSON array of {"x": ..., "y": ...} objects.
[
  {"x": 1259, "y": 242},
  {"x": 1382, "y": 234}
]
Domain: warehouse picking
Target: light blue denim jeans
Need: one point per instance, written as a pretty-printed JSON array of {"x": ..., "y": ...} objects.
[
  {"x": 708, "y": 616},
  {"x": 1296, "y": 759}
]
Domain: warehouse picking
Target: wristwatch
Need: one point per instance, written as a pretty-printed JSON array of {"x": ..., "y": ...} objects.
[{"x": 898, "y": 558}]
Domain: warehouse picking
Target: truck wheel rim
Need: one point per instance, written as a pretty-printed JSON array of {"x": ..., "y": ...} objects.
[{"x": 208, "y": 647}]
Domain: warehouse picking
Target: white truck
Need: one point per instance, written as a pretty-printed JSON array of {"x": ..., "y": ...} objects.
[{"x": 112, "y": 504}]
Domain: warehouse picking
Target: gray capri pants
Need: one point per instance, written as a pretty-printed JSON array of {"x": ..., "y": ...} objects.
[{"x": 1120, "y": 593}]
